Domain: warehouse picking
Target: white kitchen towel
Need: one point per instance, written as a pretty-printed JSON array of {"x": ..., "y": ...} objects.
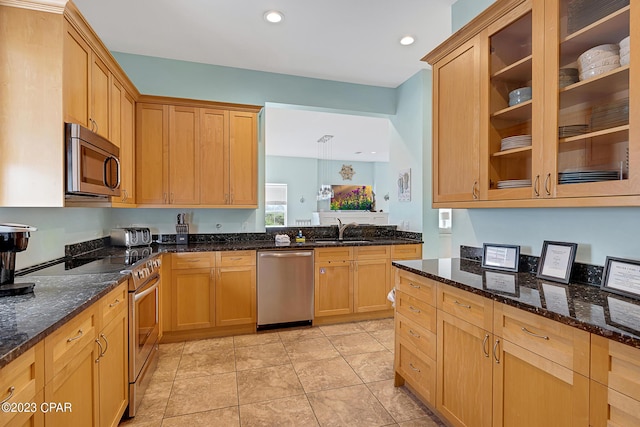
[
  {"x": 391, "y": 296},
  {"x": 282, "y": 238}
]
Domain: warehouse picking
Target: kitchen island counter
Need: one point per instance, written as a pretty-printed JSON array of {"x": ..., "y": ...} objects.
[{"x": 579, "y": 305}]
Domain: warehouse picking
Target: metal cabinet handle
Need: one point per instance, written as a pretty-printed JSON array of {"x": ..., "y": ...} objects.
[
  {"x": 525, "y": 330},
  {"x": 101, "y": 350},
  {"x": 414, "y": 286},
  {"x": 106, "y": 344},
  {"x": 11, "y": 390},
  {"x": 164, "y": 197},
  {"x": 536, "y": 186},
  {"x": 413, "y": 334},
  {"x": 231, "y": 198},
  {"x": 76, "y": 337},
  {"x": 495, "y": 349},
  {"x": 171, "y": 198},
  {"x": 546, "y": 184},
  {"x": 461, "y": 305},
  {"x": 226, "y": 198},
  {"x": 473, "y": 190},
  {"x": 124, "y": 195},
  {"x": 484, "y": 345},
  {"x": 113, "y": 304},
  {"x": 415, "y": 310},
  {"x": 413, "y": 367}
]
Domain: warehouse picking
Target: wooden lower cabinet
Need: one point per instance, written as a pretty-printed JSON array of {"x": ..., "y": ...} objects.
[
  {"x": 464, "y": 372},
  {"x": 192, "y": 299},
  {"x": 615, "y": 383},
  {"x": 235, "y": 295},
  {"x": 530, "y": 390},
  {"x": 333, "y": 288},
  {"x": 371, "y": 284},
  {"x": 22, "y": 381}
]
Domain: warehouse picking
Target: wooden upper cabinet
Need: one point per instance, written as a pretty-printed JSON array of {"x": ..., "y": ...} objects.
[
  {"x": 518, "y": 44},
  {"x": 87, "y": 84},
  {"x": 243, "y": 159},
  {"x": 214, "y": 156},
  {"x": 127, "y": 149},
  {"x": 152, "y": 134},
  {"x": 456, "y": 111},
  {"x": 184, "y": 155},
  {"x": 210, "y": 155},
  {"x": 77, "y": 61}
]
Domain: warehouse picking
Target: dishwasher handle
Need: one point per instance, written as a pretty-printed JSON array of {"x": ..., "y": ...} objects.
[{"x": 285, "y": 254}]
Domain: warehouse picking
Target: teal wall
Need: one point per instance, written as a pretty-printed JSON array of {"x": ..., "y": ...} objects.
[
  {"x": 598, "y": 231},
  {"x": 158, "y": 76},
  {"x": 463, "y": 11}
]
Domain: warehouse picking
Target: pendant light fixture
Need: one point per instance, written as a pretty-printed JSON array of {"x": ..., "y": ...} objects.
[{"x": 324, "y": 155}]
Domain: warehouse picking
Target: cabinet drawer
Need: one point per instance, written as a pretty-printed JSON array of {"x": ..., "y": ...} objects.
[
  {"x": 469, "y": 307},
  {"x": 616, "y": 365},
  {"x": 419, "y": 372},
  {"x": 416, "y": 286},
  {"x": 344, "y": 253},
  {"x": 562, "y": 344},
  {"x": 192, "y": 260},
  {"x": 61, "y": 346},
  {"x": 371, "y": 252},
  {"x": 419, "y": 312},
  {"x": 609, "y": 407},
  {"x": 233, "y": 258},
  {"x": 422, "y": 339},
  {"x": 112, "y": 304},
  {"x": 413, "y": 251},
  {"x": 22, "y": 379}
]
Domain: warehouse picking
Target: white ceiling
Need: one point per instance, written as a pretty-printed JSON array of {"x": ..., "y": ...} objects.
[{"x": 354, "y": 41}]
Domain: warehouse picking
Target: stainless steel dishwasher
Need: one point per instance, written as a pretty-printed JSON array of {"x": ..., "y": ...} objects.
[{"x": 285, "y": 288}]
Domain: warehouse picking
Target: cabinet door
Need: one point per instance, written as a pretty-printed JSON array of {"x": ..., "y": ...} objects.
[
  {"x": 456, "y": 108},
  {"x": 115, "y": 114},
  {"x": 333, "y": 288},
  {"x": 113, "y": 371},
  {"x": 609, "y": 407},
  {"x": 152, "y": 168},
  {"x": 530, "y": 390},
  {"x": 512, "y": 150},
  {"x": 235, "y": 295},
  {"x": 184, "y": 155},
  {"x": 192, "y": 299},
  {"x": 99, "y": 96},
  {"x": 606, "y": 151},
  {"x": 464, "y": 372},
  {"x": 77, "y": 385},
  {"x": 243, "y": 159},
  {"x": 214, "y": 157},
  {"x": 76, "y": 69},
  {"x": 127, "y": 149},
  {"x": 371, "y": 284}
]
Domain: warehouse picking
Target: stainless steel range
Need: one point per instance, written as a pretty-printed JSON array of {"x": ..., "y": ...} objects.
[{"x": 144, "y": 328}]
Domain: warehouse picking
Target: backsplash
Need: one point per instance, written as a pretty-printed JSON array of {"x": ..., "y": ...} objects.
[{"x": 580, "y": 273}]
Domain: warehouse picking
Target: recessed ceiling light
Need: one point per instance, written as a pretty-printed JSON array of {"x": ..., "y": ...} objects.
[
  {"x": 373, "y": 152},
  {"x": 407, "y": 40},
  {"x": 358, "y": 152},
  {"x": 273, "y": 16}
]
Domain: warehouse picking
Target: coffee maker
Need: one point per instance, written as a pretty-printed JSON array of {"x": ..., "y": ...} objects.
[{"x": 13, "y": 239}]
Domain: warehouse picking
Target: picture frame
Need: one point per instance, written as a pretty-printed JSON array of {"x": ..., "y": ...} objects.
[
  {"x": 500, "y": 257},
  {"x": 556, "y": 261},
  {"x": 621, "y": 276}
]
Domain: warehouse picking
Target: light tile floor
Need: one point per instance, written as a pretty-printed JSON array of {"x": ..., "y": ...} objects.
[{"x": 337, "y": 375}]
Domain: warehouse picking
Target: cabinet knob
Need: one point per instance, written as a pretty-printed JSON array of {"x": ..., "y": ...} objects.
[
  {"x": 536, "y": 186},
  {"x": 474, "y": 194}
]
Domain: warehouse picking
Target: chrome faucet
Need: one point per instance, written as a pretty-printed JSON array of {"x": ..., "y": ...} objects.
[{"x": 341, "y": 228}]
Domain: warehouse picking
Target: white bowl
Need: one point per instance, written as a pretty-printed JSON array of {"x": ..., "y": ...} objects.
[
  {"x": 624, "y": 51},
  {"x": 597, "y": 71},
  {"x": 609, "y": 60},
  {"x": 624, "y": 59},
  {"x": 624, "y": 42},
  {"x": 598, "y": 52},
  {"x": 523, "y": 91}
]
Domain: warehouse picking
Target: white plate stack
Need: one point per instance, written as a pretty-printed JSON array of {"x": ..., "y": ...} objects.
[
  {"x": 598, "y": 60},
  {"x": 515, "y": 142},
  {"x": 514, "y": 183},
  {"x": 624, "y": 51}
]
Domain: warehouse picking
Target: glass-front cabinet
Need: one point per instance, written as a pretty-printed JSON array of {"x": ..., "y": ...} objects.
[
  {"x": 589, "y": 53},
  {"x": 556, "y": 125}
]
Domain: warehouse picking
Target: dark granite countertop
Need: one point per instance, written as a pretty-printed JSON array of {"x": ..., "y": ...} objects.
[
  {"x": 582, "y": 306},
  {"x": 27, "y": 319},
  {"x": 242, "y": 245}
]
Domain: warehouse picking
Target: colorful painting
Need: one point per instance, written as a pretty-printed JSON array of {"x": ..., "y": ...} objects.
[{"x": 352, "y": 198}]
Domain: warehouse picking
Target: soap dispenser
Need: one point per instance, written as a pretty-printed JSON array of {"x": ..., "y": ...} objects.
[{"x": 300, "y": 238}]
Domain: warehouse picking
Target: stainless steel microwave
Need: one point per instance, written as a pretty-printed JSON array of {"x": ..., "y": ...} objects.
[{"x": 92, "y": 163}]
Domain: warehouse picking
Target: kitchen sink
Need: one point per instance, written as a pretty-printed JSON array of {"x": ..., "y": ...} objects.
[{"x": 338, "y": 242}]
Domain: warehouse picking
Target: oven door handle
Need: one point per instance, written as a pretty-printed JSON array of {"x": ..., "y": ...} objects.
[{"x": 146, "y": 292}]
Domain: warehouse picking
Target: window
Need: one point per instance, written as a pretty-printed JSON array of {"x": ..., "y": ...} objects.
[{"x": 275, "y": 209}]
